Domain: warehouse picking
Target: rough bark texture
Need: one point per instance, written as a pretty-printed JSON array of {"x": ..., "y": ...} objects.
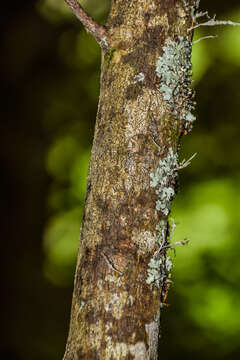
[{"x": 115, "y": 313}]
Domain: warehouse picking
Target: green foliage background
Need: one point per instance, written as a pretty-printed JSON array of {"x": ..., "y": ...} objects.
[{"x": 51, "y": 70}]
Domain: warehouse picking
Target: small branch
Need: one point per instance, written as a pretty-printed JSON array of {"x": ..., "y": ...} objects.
[
  {"x": 185, "y": 163},
  {"x": 213, "y": 22},
  {"x": 180, "y": 242},
  {"x": 173, "y": 227},
  {"x": 205, "y": 37},
  {"x": 99, "y": 32}
]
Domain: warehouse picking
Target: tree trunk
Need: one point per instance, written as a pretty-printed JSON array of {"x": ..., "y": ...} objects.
[{"x": 122, "y": 272}]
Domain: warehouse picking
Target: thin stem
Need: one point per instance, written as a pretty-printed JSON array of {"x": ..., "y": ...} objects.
[
  {"x": 99, "y": 32},
  {"x": 185, "y": 163},
  {"x": 204, "y": 37},
  {"x": 214, "y": 22}
]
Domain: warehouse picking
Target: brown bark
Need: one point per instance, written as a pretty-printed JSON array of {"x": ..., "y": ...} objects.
[{"x": 115, "y": 313}]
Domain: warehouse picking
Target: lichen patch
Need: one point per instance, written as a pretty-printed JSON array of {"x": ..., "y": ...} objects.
[
  {"x": 145, "y": 241},
  {"x": 163, "y": 179},
  {"x": 174, "y": 70}
]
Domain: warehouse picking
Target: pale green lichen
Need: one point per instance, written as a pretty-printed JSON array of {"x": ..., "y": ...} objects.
[
  {"x": 161, "y": 232},
  {"x": 158, "y": 270},
  {"x": 174, "y": 69},
  {"x": 163, "y": 180},
  {"x": 168, "y": 264}
]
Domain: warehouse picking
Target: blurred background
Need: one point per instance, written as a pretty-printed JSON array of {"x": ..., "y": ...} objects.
[{"x": 50, "y": 85}]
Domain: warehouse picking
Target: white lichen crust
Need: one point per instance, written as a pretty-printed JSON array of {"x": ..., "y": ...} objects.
[{"x": 174, "y": 70}]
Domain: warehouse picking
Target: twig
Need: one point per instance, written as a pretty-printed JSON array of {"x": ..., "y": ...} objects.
[
  {"x": 180, "y": 242},
  {"x": 99, "y": 32},
  {"x": 111, "y": 265},
  {"x": 205, "y": 37},
  {"x": 214, "y": 22},
  {"x": 173, "y": 227},
  {"x": 185, "y": 163}
]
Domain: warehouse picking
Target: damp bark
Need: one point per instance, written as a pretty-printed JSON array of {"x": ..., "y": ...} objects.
[{"x": 115, "y": 313}]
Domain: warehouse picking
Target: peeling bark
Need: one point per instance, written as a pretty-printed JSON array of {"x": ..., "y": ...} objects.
[{"x": 115, "y": 313}]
